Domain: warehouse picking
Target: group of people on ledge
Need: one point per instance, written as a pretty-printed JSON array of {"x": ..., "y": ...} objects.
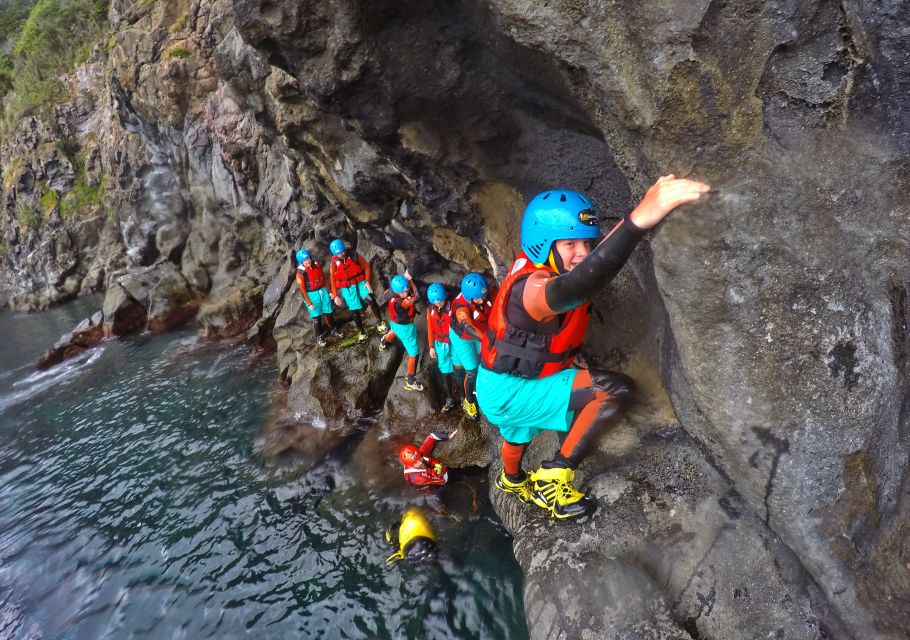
[
  {"x": 518, "y": 347},
  {"x": 455, "y": 327}
]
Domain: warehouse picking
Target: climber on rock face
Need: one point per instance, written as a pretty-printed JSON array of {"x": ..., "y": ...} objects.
[
  {"x": 467, "y": 324},
  {"x": 350, "y": 281},
  {"x": 420, "y": 470},
  {"x": 311, "y": 280},
  {"x": 526, "y": 382},
  {"x": 438, "y": 339},
  {"x": 402, "y": 300}
]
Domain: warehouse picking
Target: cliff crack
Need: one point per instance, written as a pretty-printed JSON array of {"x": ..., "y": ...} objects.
[{"x": 780, "y": 446}]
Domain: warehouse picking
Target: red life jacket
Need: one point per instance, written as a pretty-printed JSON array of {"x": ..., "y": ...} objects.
[
  {"x": 427, "y": 477},
  {"x": 399, "y": 313},
  {"x": 348, "y": 271},
  {"x": 479, "y": 313},
  {"x": 528, "y": 354},
  {"x": 439, "y": 321},
  {"x": 313, "y": 276}
]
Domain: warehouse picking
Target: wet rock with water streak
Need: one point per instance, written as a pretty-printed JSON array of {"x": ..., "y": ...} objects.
[{"x": 85, "y": 335}]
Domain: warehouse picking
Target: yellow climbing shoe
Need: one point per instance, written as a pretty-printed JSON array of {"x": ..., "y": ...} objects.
[
  {"x": 521, "y": 489},
  {"x": 551, "y": 490},
  {"x": 470, "y": 409}
]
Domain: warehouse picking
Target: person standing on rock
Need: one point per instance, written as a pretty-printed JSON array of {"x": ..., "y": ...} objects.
[
  {"x": 311, "y": 280},
  {"x": 402, "y": 301},
  {"x": 438, "y": 320},
  {"x": 350, "y": 281},
  {"x": 467, "y": 325},
  {"x": 526, "y": 382}
]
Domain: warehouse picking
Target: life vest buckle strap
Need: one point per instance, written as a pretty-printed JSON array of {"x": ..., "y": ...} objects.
[{"x": 508, "y": 349}]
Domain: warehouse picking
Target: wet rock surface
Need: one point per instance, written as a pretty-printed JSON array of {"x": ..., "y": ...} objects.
[
  {"x": 761, "y": 488},
  {"x": 86, "y": 334}
]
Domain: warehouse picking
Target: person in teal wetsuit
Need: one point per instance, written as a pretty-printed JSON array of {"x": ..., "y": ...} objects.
[
  {"x": 311, "y": 281},
  {"x": 467, "y": 323},
  {"x": 527, "y": 383},
  {"x": 402, "y": 301},
  {"x": 350, "y": 282},
  {"x": 438, "y": 321}
]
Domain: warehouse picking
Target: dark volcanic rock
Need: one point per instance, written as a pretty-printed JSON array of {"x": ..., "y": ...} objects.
[
  {"x": 223, "y": 135},
  {"x": 231, "y": 310},
  {"x": 122, "y": 312},
  {"x": 85, "y": 335}
]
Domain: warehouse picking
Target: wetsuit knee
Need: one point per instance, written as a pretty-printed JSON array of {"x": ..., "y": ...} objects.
[{"x": 618, "y": 385}]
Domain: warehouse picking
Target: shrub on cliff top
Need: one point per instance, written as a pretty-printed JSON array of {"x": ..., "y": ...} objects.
[{"x": 56, "y": 36}]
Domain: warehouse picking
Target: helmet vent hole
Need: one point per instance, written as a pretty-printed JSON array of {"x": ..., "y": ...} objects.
[
  {"x": 562, "y": 197},
  {"x": 546, "y": 196}
]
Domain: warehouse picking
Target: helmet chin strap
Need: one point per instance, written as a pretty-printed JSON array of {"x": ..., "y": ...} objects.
[{"x": 555, "y": 262}]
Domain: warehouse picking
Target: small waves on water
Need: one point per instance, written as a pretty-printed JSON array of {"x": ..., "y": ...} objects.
[{"x": 133, "y": 505}]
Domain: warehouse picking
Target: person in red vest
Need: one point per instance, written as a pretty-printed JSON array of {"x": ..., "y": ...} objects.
[
  {"x": 526, "y": 382},
  {"x": 467, "y": 325},
  {"x": 311, "y": 280},
  {"x": 438, "y": 339},
  {"x": 402, "y": 301},
  {"x": 421, "y": 470},
  {"x": 350, "y": 281}
]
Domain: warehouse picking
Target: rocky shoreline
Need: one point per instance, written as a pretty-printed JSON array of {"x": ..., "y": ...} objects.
[{"x": 762, "y": 486}]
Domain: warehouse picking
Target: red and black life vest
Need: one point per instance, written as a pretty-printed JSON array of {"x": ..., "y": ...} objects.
[
  {"x": 400, "y": 314},
  {"x": 479, "y": 313},
  {"x": 348, "y": 271},
  {"x": 428, "y": 476},
  {"x": 531, "y": 354},
  {"x": 439, "y": 322},
  {"x": 313, "y": 276}
]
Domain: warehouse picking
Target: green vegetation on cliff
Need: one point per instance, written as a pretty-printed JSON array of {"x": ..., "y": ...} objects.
[{"x": 54, "y": 37}]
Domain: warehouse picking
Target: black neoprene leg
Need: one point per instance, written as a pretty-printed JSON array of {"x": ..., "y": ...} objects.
[
  {"x": 608, "y": 395},
  {"x": 374, "y": 307},
  {"x": 358, "y": 320},
  {"x": 318, "y": 327},
  {"x": 470, "y": 383},
  {"x": 458, "y": 378}
]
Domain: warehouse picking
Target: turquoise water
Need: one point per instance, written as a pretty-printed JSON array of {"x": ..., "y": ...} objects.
[{"x": 134, "y": 503}]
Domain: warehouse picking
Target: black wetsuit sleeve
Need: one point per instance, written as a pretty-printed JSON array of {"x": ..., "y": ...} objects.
[{"x": 571, "y": 289}]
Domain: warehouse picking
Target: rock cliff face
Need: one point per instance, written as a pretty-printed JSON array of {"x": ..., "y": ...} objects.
[{"x": 761, "y": 489}]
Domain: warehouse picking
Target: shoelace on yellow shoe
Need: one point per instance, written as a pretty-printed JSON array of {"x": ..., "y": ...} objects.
[
  {"x": 558, "y": 491},
  {"x": 522, "y": 489}
]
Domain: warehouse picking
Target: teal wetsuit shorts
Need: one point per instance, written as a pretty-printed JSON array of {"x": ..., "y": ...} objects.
[
  {"x": 322, "y": 302},
  {"x": 522, "y": 408},
  {"x": 407, "y": 333},
  {"x": 354, "y": 295},
  {"x": 443, "y": 356},
  {"x": 465, "y": 353}
]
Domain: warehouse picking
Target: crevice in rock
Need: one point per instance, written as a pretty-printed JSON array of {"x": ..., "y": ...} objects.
[{"x": 780, "y": 446}]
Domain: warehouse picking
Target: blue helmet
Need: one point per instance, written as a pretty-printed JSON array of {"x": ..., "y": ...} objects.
[
  {"x": 302, "y": 255},
  {"x": 337, "y": 247},
  {"x": 436, "y": 293},
  {"x": 399, "y": 284},
  {"x": 556, "y": 215},
  {"x": 473, "y": 286}
]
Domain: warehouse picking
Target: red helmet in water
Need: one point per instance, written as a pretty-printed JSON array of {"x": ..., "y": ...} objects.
[{"x": 409, "y": 455}]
